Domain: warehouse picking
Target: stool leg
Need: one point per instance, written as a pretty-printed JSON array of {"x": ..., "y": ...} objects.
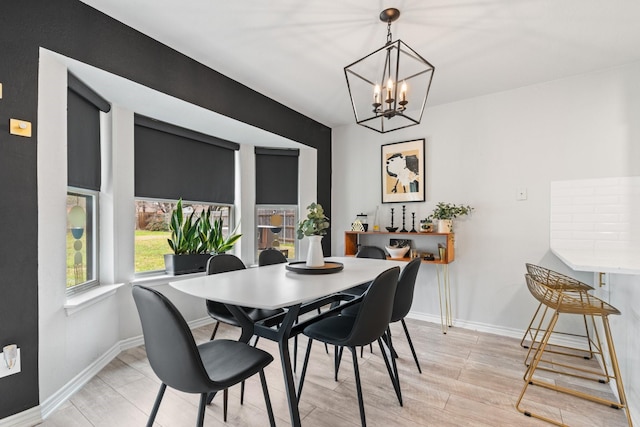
[
  {"x": 616, "y": 369},
  {"x": 528, "y": 330}
]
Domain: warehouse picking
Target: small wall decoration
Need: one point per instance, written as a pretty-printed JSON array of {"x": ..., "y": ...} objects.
[{"x": 403, "y": 172}]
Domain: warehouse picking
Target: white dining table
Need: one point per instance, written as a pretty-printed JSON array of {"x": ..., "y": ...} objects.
[{"x": 275, "y": 287}]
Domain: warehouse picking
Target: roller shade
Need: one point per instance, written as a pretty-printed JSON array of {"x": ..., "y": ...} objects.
[
  {"x": 173, "y": 163},
  {"x": 83, "y": 134},
  {"x": 276, "y": 176}
]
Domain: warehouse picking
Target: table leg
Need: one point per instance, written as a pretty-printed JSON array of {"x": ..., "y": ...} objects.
[
  {"x": 285, "y": 360},
  {"x": 444, "y": 295},
  {"x": 282, "y": 337}
]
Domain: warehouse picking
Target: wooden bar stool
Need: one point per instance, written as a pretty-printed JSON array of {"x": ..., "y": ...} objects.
[
  {"x": 534, "y": 331},
  {"x": 577, "y": 303}
]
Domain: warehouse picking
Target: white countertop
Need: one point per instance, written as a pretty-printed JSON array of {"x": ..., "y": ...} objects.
[{"x": 616, "y": 262}]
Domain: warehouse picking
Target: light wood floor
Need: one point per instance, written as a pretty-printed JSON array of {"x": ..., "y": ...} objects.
[{"x": 469, "y": 379}]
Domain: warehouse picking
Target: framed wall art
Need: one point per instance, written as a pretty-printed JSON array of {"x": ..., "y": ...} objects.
[{"x": 403, "y": 172}]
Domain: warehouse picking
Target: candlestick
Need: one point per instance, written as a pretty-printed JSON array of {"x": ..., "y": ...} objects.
[{"x": 404, "y": 230}]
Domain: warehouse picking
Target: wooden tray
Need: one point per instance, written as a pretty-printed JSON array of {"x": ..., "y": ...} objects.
[{"x": 328, "y": 268}]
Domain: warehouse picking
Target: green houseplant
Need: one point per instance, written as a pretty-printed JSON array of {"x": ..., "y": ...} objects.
[
  {"x": 194, "y": 239},
  {"x": 444, "y": 213},
  {"x": 314, "y": 226}
]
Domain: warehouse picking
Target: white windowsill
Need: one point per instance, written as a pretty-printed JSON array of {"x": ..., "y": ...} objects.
[
  {"x": 161, "y": 279},
  {"x": 82, "y": 300}
]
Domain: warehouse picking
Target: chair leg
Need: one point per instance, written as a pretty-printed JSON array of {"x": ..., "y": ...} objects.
[
  {"x": 337, "y": 358},
  {"x": 215, "y": 329},
  {"x": 326, "y": 347},
  {"x": 295, "y": 353},
  {"x": 304, "y": 368},
  {"x": 358, "y": 385},
  {"x": 528, "y": 330},
  {"x": 201, "y": 408},
  {"x": 156, "y": 405},
  {"x": 225, "y": 395},
  {"x": 413, "y": 350},
  {"x": 392, "y": 369},
  {"x": 242, "y": 393},
  {"x": 390, "y": 344},
  {"x": 267, "y": 400}
]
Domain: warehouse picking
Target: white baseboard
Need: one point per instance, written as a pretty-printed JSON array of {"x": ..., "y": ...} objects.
[
  {"x": 30, "y": 417},
  {"x": 39, "y": 413}
]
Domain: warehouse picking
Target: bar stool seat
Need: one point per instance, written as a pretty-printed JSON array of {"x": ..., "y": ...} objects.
[
  {"x": 576, "y": 303},
  {"x": 566, "y": 284}
]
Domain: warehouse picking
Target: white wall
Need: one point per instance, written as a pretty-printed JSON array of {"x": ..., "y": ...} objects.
[
  {"x": 67, "y": 345},
  {"x": 478, "y": 152}
]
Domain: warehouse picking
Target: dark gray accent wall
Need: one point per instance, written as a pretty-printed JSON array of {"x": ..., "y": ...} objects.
[{"x": 74, "y": 29}]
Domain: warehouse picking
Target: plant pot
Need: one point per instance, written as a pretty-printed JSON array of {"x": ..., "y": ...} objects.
[
  {"x": 315, "y": 257},
  {"x": 185, "y": 264},
  {"x": 445, "y": 225}
]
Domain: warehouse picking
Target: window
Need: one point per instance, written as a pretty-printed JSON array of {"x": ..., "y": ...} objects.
[
  {"x": 84, "y": 181},
  {"x": 276, "y": 228},
  {"x": 202, "y": 168},
  {"x": 276, "y": 199},
  {"x": 152, "y": 229},
  {"x": 81, "y": 239}
]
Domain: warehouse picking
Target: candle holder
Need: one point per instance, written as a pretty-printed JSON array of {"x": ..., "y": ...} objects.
[
  {"x": 392, "y": 229},
  {"x": 404, "y": 230},
  {"x": 413, "y": 222}
]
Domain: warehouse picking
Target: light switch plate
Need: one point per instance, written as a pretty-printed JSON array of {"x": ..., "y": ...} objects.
[
  {"x": 521, "y": 193},
  {"x": 20, "y": 127}
]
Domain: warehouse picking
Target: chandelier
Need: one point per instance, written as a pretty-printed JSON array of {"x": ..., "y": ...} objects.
[{"x": 389, "y": 87}]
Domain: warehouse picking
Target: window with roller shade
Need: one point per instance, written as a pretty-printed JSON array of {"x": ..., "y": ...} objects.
[
  {"x": 276, "y": 200},
  {"x": 83, "y": 180},
  {"x": 173, "y": 163}
]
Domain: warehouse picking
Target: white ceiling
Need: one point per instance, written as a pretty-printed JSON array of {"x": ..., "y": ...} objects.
[{"x": 294, "y": 51}]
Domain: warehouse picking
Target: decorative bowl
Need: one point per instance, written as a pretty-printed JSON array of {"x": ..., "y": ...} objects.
[{"x": 396, "y": 252}]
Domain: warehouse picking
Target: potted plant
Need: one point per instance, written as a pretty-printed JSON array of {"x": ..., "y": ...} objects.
[
  {"x": 314, "y": 226},
  {"x": 444, "y": 213},
  {"x": 193, "y": 240},
  {"x": 211, "y": 236}
]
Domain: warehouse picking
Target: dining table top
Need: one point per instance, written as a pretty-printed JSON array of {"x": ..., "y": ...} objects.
[{"x": 272, "y": 287}]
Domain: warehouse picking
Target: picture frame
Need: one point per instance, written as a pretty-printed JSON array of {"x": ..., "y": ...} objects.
[{"x": 403, "y": 173}]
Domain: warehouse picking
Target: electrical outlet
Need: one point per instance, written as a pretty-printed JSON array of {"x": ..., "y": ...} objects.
[
  {"x": 5, "y": 370},
  {"x": 521, "y": 193}
]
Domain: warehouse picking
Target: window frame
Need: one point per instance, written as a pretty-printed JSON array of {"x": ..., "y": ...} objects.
[
  {"x": 294, "y": 208},
  {"x": 95, "y": 244},
  {"x": 151, "y": 273}
]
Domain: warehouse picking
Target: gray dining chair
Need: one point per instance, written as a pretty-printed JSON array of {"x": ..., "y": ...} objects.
[
  {"x": 368, "y": 326},
  {"x": 181, "y": 364}
]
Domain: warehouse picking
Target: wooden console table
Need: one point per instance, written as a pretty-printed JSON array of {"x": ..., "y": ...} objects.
[{"x": 352, "y": 240}]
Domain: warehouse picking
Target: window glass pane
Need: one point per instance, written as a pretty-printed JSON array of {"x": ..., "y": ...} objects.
[
  {"x": 152, "y": 229},
  {"x": 276, "y": 228},
  {"x": 81, "y": 239}
]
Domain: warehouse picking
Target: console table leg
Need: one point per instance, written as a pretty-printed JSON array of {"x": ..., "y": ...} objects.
[{"x": 444, "y": 296}]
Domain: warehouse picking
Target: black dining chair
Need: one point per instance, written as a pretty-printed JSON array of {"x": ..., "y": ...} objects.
[
  {"x": 271, "y": 256},
  {"x": 181, "y": 364},
  {"x": 223, "y": 263},
  {"x": 373, "y": 252},
  {"x": 401, "y": 305},
  {"x": 367, "y": 326}
]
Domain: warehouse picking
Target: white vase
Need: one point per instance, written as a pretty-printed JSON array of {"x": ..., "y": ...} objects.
[
  {"x": 445, "y": 225},
  {"x": 315, "y": 258}
]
